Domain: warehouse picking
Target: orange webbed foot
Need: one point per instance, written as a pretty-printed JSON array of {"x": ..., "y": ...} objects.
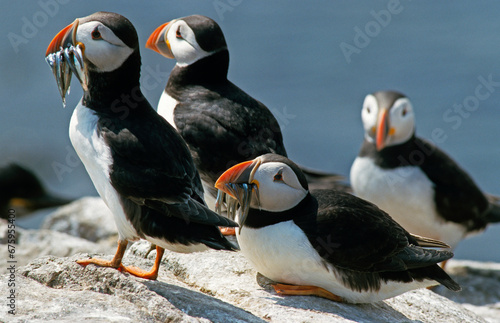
[
  {"x": 285, "y": 289},
  {"x": 227, "y": 231}
]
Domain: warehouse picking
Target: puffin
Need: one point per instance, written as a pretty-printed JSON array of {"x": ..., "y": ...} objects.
[
  {"x": 22, "y": 190},
  {"x": 222, "y": 124},
  {"x": 414, "y": 181},
  {"x": 325, "y": 242},
  {"x": 138, "y": 162}
]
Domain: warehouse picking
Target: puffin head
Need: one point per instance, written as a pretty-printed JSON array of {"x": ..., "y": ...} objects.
[
  {"x": 187, "y": 39},
  {"x": 388, "y": 118},
  {"x": 270, "y": 182},
  {"x": 99, "y": 43}
]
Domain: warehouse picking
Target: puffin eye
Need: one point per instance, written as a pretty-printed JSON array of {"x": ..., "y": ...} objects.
[
  {"x": 279, "y": 176},
  {"x": 178, "y": 32},
  {"x": 404, "y": 112},
  {"x": 96, "y": 34},
  {"x": 368, "y": 109}
]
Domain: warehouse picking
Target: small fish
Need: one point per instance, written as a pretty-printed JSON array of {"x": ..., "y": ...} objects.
[
  {"x": 74, "y": 57},
  {"x": 243, "y": 193},
  {"x": 61, "y": 72},
  {"x": 63, "y": 64}
]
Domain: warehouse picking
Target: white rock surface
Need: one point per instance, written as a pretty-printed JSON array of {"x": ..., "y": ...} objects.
[
  {"x": 215, "y": 286},
  {"x": 32, "y": 244},
  {"x": 88, "y": 218}
]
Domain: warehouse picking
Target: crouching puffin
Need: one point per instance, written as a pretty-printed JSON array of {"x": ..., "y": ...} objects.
[
  {"x": 221, "y": 124},
  {"x": 325, "y": 242},
  {"x": 138, "y": 163},
  {"x": 22, "y": 190},
  {"x": 420, "y": 186}
]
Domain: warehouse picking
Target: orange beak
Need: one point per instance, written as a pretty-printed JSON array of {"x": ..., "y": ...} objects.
[
  {"x": 382, "y": 129},
  {"x": 158, "y": 41},
  {"x": 62, "y": 38},
  {"x": 241, "y": 173}
]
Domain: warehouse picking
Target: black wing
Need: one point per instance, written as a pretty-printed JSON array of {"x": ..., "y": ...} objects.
[
  {"x": 458, "y": 198},
  {"x": 152, "y": 166},
  {"x": 222, "y": 126},
  {"x": 356, "y": 235}
]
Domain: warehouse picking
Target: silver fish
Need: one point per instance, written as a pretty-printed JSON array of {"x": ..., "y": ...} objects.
[
  {"x": 61, "y": 72},
  {"x": 74, "y": 57},
  {"x": 243, "y": 193},
  {"x": 63, "y": 64}
]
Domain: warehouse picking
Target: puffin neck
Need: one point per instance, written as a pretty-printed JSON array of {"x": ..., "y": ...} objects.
[
  {"x": 305, "y": 211},
  {"x": 391, "y": 156},
  {"x": 116, "y": 88},
  {"x": 206, "y": 71}
]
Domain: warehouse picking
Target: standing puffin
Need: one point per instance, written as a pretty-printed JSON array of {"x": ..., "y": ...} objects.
[
  {"x": 221, "y": 124},
  {"x": 422, "y": 188},
  {"x": 138, "y": 163},
  {"x": 325, "y": 242}
]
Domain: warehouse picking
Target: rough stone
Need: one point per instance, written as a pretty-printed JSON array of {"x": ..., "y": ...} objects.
[
  {"x": 217, "y": 286},
  {"x": 32, "y": 244},
  {"x": 87, "y": 218}
]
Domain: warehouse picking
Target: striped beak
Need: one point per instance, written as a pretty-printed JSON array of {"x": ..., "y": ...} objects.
[
  {"x": 158, "y": 40},
  {"x": 382, "y": 129},
  {"x": 65, "y": 57},
  {"x": 238, "y": 182},
  {"x": 64, "y": 38}
]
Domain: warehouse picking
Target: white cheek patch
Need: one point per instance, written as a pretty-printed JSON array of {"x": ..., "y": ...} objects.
[
  {"x": 275, "y": 195},
  {"x": 186, "y": 50},
  {"x": 403, "y": 123},
  {"x": 369, "y": 115},
  {"x": 108, "y": 53}
]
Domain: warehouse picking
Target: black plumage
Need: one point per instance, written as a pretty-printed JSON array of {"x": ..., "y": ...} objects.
[
  {"x": 138, "y": 162},
  {"x": 457, "y": 197},
  {"x": 221, "y": 123},
  {"x": 368, "y": 246},
  {"x": 21, "y": 186},
  {"x": 331, "y": 236}
]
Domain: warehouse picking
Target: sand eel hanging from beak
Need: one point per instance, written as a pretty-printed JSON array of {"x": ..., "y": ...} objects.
[
  {"x": 325, "y": 242},
  {"x": 420, "y": 186},
  {"x": 138, "y": 163}
]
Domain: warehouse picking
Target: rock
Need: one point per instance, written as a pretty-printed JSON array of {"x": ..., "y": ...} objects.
[
  {"x": 32, "y": 244},
  {"x": 480, "y": 287},
  {"x": 88, "y": 218},
  {"x": 53, "y": 288},
  {"x": 218, "y": 286}
]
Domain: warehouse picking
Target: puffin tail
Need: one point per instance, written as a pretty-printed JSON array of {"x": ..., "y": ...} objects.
[
  {"x": 493, "y": 215},
  {"x": 444, "y": 279},
  {"x": 323, "y": 180}
]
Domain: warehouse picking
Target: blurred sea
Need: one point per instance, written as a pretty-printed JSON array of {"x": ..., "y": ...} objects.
[{"x": 310, "y": 62}]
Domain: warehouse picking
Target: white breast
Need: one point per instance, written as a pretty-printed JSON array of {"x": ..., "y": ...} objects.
[
  {"x": 283, "y": 253},
  {"x": 407, "y": 195},
  {"x": 96, "y": 157},
  {"x": 166, "y": 107}
]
